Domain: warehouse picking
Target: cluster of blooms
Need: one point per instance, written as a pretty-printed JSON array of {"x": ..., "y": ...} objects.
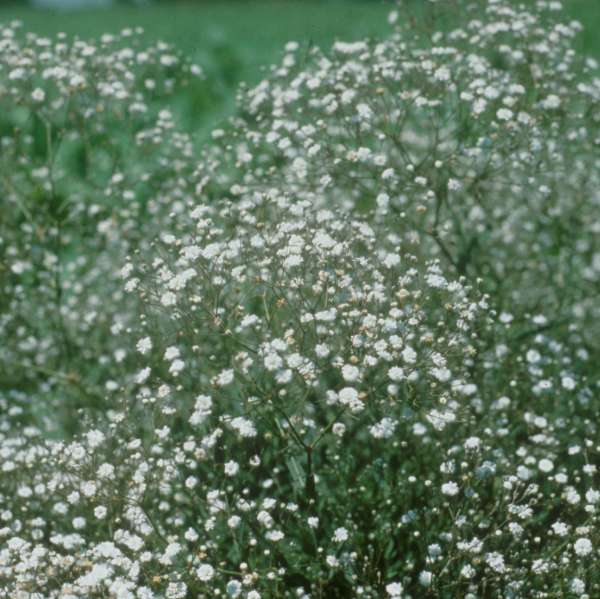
[
  {"x": 308, "y": 363},
  {"x": 87, "y": 151},
  {"x": 480, "y": 139},
  {"x": 294, "y": 341}
]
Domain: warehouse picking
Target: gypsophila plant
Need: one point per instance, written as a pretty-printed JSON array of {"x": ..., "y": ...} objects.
[
  {"x": 479, "y": 139},
  {"x": 347, "y": 349},
  {"x": 88, "y": 152}
]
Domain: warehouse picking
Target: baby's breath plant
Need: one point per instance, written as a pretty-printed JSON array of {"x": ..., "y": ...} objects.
[
  {"x": 479, "y": 139},
  {"x": 347, "y": 349},
  {"x": 282, "y": 352},
  {"x": 87, "y": 155}
]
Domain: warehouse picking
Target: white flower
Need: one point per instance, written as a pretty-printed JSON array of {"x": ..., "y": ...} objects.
[
  {"x": 546, "y": 465},
  {"x": 233, "y": 589},
  {"x": 577, "y": 586},
  {"x": 205, "y": 572},
  {"x": 340, "y": 535},
  {"x": 396, "y": 374},
  {"x": 38, "y": 95},
  {"x": 473, "y": 443},
  {"x": 143, "y": 375},
  {"x": 451, "y": 489},
  {"x": 292, "y": 261},
  {"x": 168, "y": 299},
  {"x": 273, "y": 361},
  {"x": 592, "y": 496},
  {"x": 348, "y": 396},
  {"x": 504, "y": 114},
  {"x": 384, "y": 429},
  {"x": 144, "y": 345},
  {"x": 225, "y": 378},
  {"x": 338, "y": 429},
  {"x": 394, "y": 589},
  {"x": 583, "y": 547},
  {"x": 560, "y": 528},
  {"x": 495, "y": 561},
  {"x": 391, "y": 260},
  {"x": 467, "y": 571},
  {"x": 171, "y": 353},
  {"x": 274, "y": 535},
  {"x": 409, "y": 355},
  {"x": 231, "y": 468},
  {"x": 95, "y": 576},
  {"x": 176, "y": 367},
  {"x": 551, "y": 102},
  {"x": 349, "y": 47},
  {"x": 350, "y": 373}
]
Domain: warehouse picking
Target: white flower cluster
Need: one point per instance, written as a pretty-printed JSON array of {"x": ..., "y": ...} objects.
[
  {"x": 346, "y": 350},
  {"x": 479, "y": 142},
  {"x": 87, "y": 151}
]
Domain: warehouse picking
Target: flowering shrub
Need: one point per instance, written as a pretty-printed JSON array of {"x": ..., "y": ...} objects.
[{"x": 346, "y": 350}]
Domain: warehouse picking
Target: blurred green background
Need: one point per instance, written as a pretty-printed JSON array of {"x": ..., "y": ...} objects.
[{"x": 236, "y": 40}]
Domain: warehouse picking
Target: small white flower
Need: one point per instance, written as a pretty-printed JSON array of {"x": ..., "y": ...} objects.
[
  {"x": 350, "y": 373},
  {"x": 233, "y": 589},
  {"x": 451, "y": 489},
  {"x": 171, "y": 353},
  {"x": 144, "y": 345},
  {"x": 205, "y": 572},
  {"x": 583, "y": 547},
  {"x": 504, "y": 114},
  {"x": 176, "y": 367},
  {"x": 340, "y": 535},
  {"x": 495, "y": 561},
  {"x": 338, "y": 429},
  {"x": 394, "y": 590},
  {"x": 225, "y": 378},
  {"x": 396, "y": 374},
  {"x": 142, "y": 375},
  {"x": 348, "y": 396},
  {"x": 577, "y": 586},
  {"x": 231, "y": 468},
  {"x": 409, "y": 355},
  {"x": 38, "y": 95}
]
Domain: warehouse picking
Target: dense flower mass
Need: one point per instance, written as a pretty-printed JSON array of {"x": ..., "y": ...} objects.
[
  {"x": 479, "y": 140},
  {"x": 87, "y": 150},
  {"x": 346, "y": 349}
]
